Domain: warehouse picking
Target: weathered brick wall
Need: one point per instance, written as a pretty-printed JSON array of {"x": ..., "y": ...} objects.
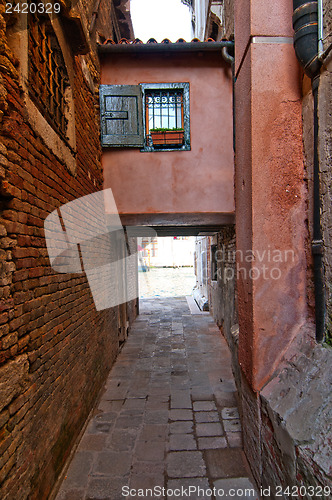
[
  {"x": 325, "y": 156},
  {"x": 223, "y": 293},
  {"x": 327, "y": 11},
  {"x": 296, "y": 408},
  {"x": 55, "y": 348}
]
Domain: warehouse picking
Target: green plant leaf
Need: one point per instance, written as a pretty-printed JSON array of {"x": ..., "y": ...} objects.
[{"x": 166, "y": 129}]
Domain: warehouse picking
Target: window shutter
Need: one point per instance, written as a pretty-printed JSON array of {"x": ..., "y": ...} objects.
[{"x": 121, "y": 115}]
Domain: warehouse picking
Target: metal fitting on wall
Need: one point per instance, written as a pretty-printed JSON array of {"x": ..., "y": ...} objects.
[{"x": 305, "y": 24}]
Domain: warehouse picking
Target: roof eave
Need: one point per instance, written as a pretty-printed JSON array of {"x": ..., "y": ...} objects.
[{"x": 139, "y": 48}]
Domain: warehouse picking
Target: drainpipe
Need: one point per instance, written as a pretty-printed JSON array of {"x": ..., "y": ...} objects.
[
  {"x": 231, "y": 60},
  {"x": 320, "y": 29},
  {"x": 308, "y": 40}
]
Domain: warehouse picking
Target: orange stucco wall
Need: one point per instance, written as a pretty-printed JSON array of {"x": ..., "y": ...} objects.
[
  {"x": 270, "y": 192},
  {"x": 175, "y": 182}
]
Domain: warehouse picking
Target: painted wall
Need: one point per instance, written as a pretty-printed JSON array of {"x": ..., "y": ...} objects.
[{"x": 196, "y": 181}]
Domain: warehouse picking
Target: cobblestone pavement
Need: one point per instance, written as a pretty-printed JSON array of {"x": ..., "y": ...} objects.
[{"x": 168, "y": 417}]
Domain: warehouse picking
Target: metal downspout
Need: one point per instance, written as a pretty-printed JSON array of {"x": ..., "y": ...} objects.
[
  {"x": 308, "y": 43},
  {"x": 231, "y": 60},
  {"x": 317, "y": 243},
  {"x": 320, "y": 29}
]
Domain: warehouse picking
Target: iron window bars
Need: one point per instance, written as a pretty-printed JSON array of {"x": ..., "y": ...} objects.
[
  {"x": 164, "y": 109},
  {"x": 47, "y": 78}
]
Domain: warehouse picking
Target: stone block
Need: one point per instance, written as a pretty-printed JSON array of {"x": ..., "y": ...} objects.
[
  {"x": 211, "y": 443},
  {"x": 242, "y": 485},
  {"x": 234, "y": 439},
  {"x": 209, "y": 429},
  {"x": 185, "y": 464},
  {"x": 100, "y": 488},
  {"x": 223, "y": 463},
  {"x": 206, "y": 416},
  {"x": 181, "y": 427},
  {"x": 111, "y": 463},
  {"x": 229, "y": 413},
  {"x": 233, "y": 425},
  {"x": 204, "y": 406},
  {"x": 153, "y": 432},
  {"x": 199, "y": 484},
  {"x": 180, "y": 442},
  {"x": 78, "y": 472},
  {"x": 180, "y": 415},
  {"x": 149, "y": 451},
  {"x": 122, "y": 439}
]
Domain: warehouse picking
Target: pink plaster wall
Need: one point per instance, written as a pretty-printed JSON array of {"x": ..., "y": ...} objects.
[
  {"x": 257, "y": 18},
  {"x": 271, "y": 207},
  {"x": 196, "y": 181}
]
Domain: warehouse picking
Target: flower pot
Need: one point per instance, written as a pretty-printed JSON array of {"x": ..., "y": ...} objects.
[{"x": 168, "y": 138}]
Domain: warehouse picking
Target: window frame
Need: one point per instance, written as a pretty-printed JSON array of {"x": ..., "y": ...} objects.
[
  {"x": 185, "y": 88},
  {"x": 50, "y": 98},
  {"x": 18, "y": 40}
]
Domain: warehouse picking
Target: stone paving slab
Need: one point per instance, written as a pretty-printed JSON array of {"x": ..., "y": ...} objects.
[{"x": 168, "y": 417}]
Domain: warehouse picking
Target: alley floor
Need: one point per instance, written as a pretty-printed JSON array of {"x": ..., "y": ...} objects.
[{"x": 168, "y": 417}]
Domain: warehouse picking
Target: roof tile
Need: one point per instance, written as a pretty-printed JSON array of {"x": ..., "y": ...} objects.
[{"x": 165, "y": 41}]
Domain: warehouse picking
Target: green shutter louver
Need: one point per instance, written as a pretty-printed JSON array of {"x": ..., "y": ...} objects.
[{"x": 121, "y": 116}]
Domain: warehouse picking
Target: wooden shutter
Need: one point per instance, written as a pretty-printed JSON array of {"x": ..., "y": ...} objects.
[{"x": 121, "y": 115}]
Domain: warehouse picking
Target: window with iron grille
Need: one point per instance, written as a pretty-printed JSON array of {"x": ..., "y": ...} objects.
[
  {"x": 47, "y": 77},
  {"x": 166, "y": 116},
  {"x": 164, "y": 109},
  {"x": 153, "y": 116}
]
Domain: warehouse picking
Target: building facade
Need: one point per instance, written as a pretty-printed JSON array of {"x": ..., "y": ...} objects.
[
  {"x": 159, "y": 128},
  {"x": 171, "y": 251}
]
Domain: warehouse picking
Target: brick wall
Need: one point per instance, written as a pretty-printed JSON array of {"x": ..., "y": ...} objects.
[
  {"x": 55, "y": 348},
  {"x": 325, "y": 155},
  {"x": 223, "y": 293}
]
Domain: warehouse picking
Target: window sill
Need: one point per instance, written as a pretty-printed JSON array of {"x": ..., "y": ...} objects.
[
  {"x": 53, "y": 141},
  {"x": 151, "y": 149}
]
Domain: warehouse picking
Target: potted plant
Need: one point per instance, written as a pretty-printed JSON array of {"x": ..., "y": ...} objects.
[{"x": 167, "y": 136}]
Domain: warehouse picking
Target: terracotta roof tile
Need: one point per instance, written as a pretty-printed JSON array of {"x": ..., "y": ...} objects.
[
  {"x": 166, "y": 41},
  {"x": 109, "y": 41}
]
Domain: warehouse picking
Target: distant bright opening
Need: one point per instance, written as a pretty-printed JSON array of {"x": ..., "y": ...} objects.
[
  {"x": 166, "y": 266},
  {"x": 161, "y": 19}
]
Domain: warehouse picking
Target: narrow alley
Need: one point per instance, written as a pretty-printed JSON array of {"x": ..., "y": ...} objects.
[{"x": 168, "y": 417}]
